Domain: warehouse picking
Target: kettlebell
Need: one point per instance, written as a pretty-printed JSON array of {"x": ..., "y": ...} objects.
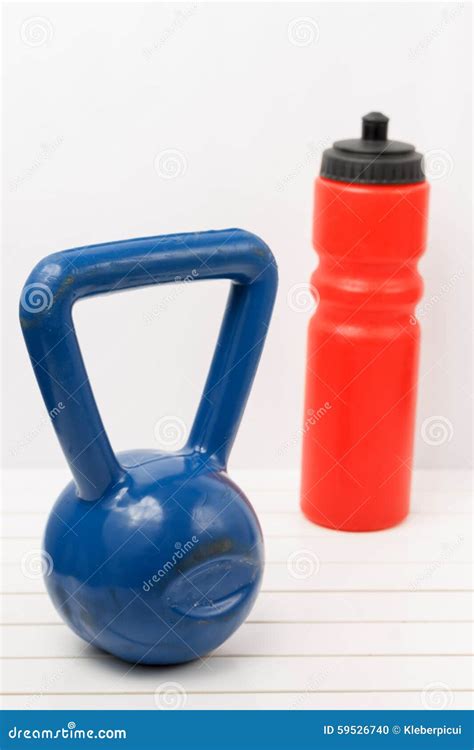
[{"x": 155, "y": 557}]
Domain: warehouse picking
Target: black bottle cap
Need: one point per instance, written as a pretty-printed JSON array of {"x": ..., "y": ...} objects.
[{"x": 373, "y": 159}]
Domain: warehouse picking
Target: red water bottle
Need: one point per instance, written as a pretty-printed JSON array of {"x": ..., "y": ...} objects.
[{"x": 370, "y": 221}]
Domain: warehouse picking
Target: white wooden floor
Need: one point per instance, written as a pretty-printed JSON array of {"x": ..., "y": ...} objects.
[{"x": 380, "y": 620}]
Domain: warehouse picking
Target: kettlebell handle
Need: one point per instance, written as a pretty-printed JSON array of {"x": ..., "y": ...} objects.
[{"x": 60, "y": 279}]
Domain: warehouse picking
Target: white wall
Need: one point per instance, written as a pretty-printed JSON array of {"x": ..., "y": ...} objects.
[{"x": 249, "y": 97}]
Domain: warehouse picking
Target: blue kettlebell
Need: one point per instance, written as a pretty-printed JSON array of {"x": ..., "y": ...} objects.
[{"x": 155, "y": 557}]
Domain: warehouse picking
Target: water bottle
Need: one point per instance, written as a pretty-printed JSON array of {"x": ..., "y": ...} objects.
[{"x": 370, "y": 223}]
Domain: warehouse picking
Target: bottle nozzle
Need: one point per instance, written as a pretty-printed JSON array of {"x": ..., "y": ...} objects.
[
  {"x": 372, "y": 159},
  {"x": 374, "y": 127}
]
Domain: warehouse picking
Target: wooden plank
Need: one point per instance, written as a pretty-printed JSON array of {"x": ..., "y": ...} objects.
[
  {"x": 41, "y": 502},
  {"x": 299, "y": 701},
  {"x": 326, "y": 632},
  {"x": 448, "y": 480},
  {"x": 292, "y": 607},
  {"x": 436, "y": 576},
  {"x": 258, "y": 674},
  {"x": 270, "y": 639},
  {"x": 330, "y": 606},
  {"x": 27, "y": 609},
  {"x": 35, "y": 491},
  {"x": 419, "y": 525},
  {"x": 362, "y": 607},
  {"x": 307, "y": 552},
  {"x": 422, "y": 501},
  {"x": 349, "y": 639},
  {"x": 340, "y": 577},
  {"x": 442, "y": 501}
]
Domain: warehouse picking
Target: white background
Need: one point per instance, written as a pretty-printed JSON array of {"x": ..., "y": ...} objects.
[{"x": 249, "y": 106}]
